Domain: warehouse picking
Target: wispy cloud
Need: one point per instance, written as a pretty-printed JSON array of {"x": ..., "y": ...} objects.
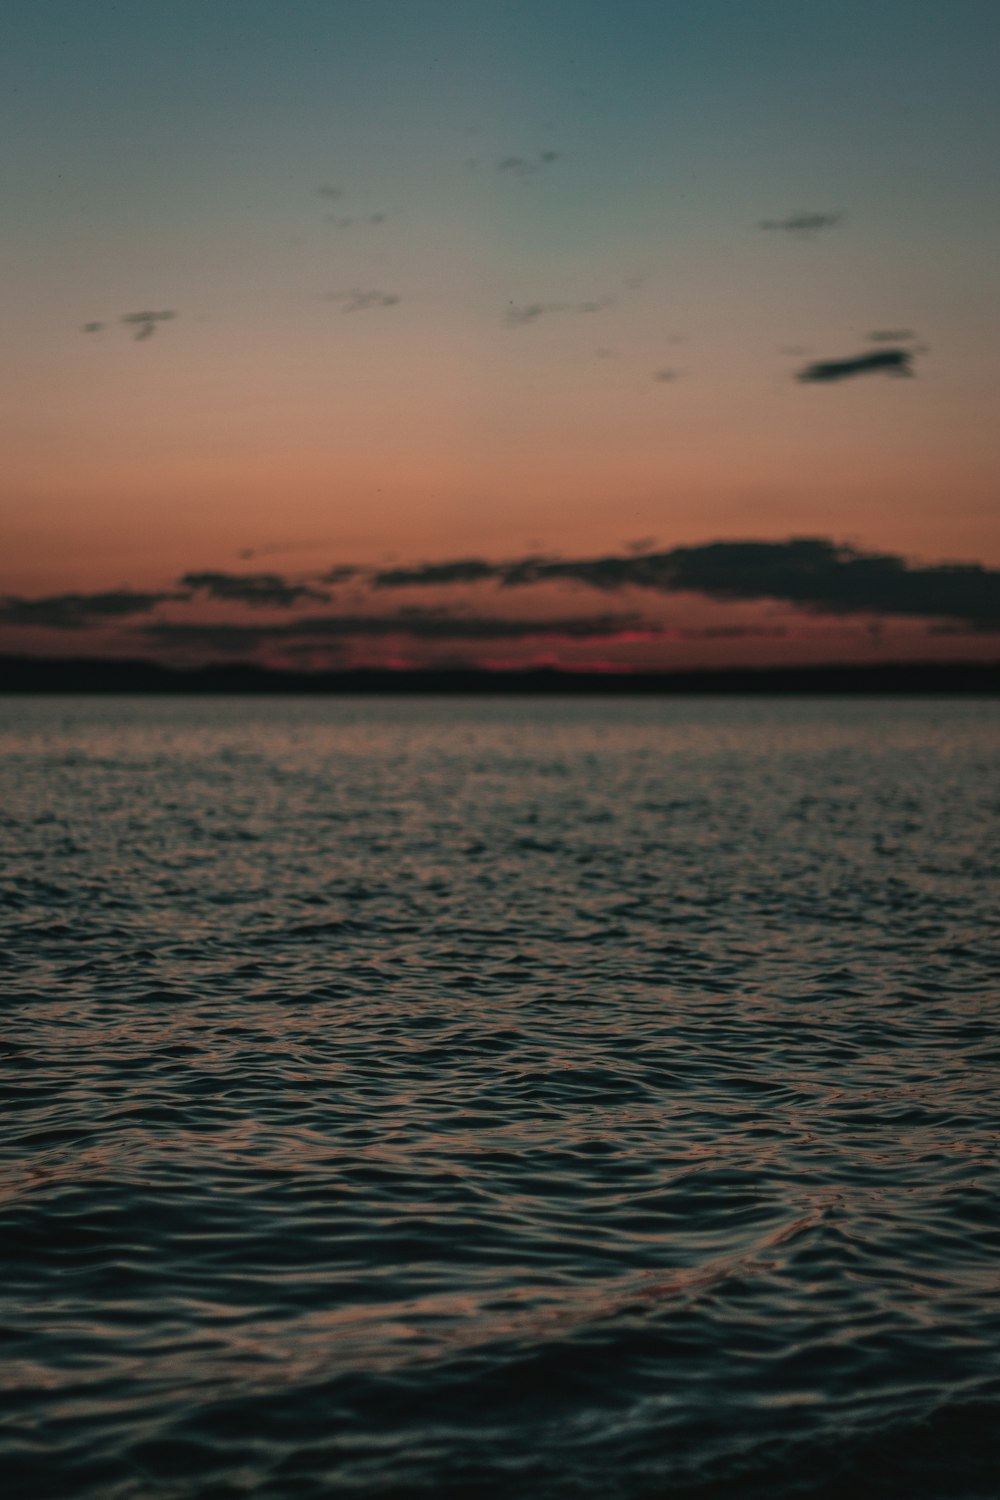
[
  {"x": 146, "y": 323},
  {"x": 527, "y": 166},
  {"x": 259, "y": 590},
  {"x": 518, "y": 314},
  {"x": 347, "y": 221},
  {"x": 463, "y": 570},
  {"x": 362, "y": 300},
  {"x": 877, "y": 361},
  {"x": 340, "y": 573},
  {"x": 415, "y": 624},
  {"x": 736, "y": 633},
  {"x": 810, "y": 572},
  {"x": 803, "y": 225},
  {"x": 79, "y": 611}
]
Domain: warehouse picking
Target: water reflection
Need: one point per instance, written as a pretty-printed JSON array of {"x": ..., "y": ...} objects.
[{"x": 591, "y": 1093}]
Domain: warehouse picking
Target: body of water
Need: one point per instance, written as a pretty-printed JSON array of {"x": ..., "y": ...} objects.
[{"x": 499, "y": 1098}]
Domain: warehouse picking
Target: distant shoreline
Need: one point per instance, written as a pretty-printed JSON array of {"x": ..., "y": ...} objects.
[{"x": 37, "y": 675}]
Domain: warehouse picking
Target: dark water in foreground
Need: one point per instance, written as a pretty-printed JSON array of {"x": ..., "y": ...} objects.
[{"x": 499, "y": 1098}]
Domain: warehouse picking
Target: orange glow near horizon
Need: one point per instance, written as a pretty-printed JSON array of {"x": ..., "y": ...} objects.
[{"x": 481, "y": 319}]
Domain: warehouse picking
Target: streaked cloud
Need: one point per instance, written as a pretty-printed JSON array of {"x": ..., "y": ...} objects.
[
  {"x": 877, "y": 361},
  {"x": 517, "y": 315},
  {"x": 527, "y": 166},
  {"x": 810, "y": 572},
  {"x": 146, "y": 323},
  {"x": 340, "y": 573},
  {"x": 362, "y": 300},
  {"x": 259, "y": 590},
  {"x": 803, "y": 225},
  {"x": 79, "y": 611},
  {"x": 736, "y": 633},
  {"x": 415, "y": 623},
  {"x": 464, "y": 570}
]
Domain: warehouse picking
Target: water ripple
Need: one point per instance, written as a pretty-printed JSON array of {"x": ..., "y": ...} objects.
[{"x": 499, "y": 1098}]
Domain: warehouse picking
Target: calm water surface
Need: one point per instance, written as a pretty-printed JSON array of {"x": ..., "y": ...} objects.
[{"x": 499, "y": 1098}]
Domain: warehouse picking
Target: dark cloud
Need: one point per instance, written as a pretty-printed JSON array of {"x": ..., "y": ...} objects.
[
  {"x": 340, "y": 573},
  {"x": 92, "y": 327},
  {"x": 528, "y": 570},
  {"x": 811, "y": 572},
  {"x": 326, "y": 191},
  {"x": 79, "y": 611},
  {"x": 527, "y": 166},
  {"x": 516, "y": 315},
  {"x": 665, "y": 376},
  {"x": 891, "y": 335},
  {"x": 803, "y": 224},
  {"x": 359, "y": 300},
  {"x": 419, "y": 624},
  {"x": 735, "y": 633},
  {"x": 884, "y": 361},
  {"x": 260, "y": 590},
  {"x": 146, "y": 323},
  {"x": 236, "y": 639},
  {"x": 467, "y": 570},
  {"x": 599, "y": 572}
]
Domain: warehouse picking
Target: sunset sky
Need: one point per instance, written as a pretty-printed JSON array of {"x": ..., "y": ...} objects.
[{"x": 674, "y": 321}]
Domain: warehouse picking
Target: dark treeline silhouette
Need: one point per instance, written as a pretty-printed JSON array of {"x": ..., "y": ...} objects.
[{"x": 33, "y": 674}]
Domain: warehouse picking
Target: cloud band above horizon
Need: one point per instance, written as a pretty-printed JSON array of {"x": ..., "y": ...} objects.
[{"x": 811, "y": 574}]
